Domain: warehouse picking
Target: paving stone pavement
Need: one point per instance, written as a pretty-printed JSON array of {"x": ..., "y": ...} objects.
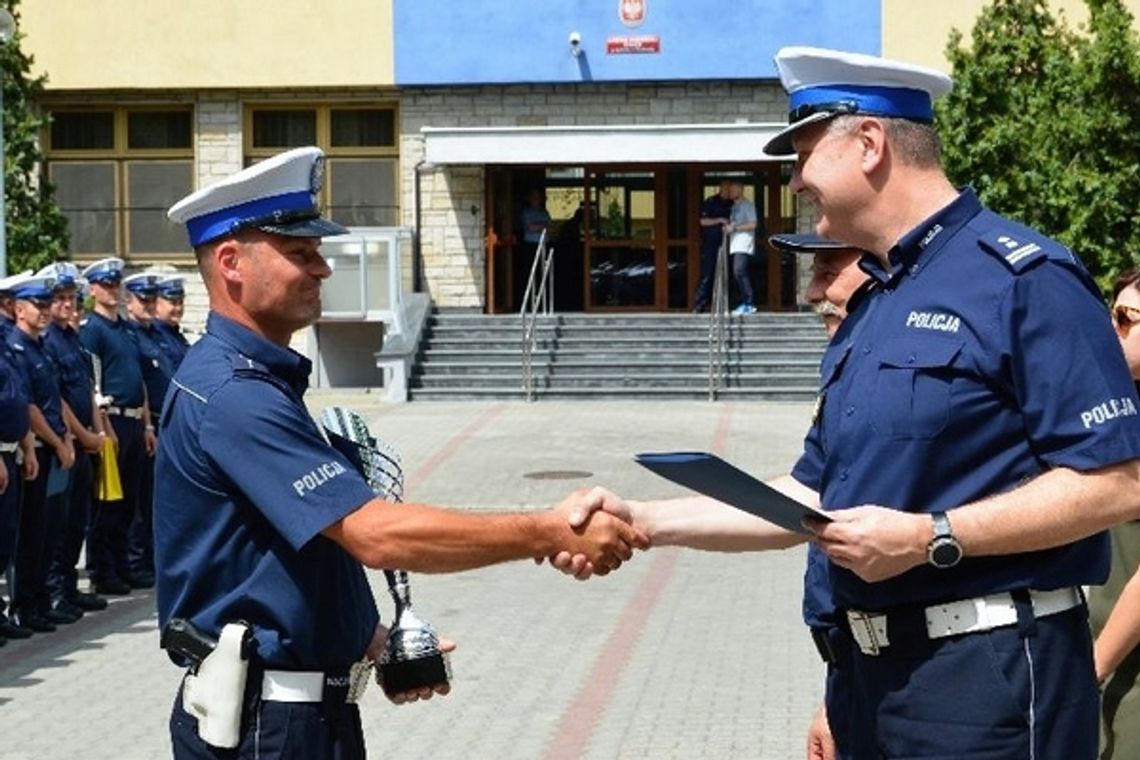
[{"x": 680, "y": 654}]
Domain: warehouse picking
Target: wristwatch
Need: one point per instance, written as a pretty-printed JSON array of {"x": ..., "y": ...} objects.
[{"x": 943, "y": 551}]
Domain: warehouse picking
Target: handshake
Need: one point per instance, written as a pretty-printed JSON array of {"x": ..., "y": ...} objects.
[{"x": 594, "y": 531}]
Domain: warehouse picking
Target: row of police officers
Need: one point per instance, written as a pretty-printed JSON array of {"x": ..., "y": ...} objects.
[{"x": 75, "y": 394}]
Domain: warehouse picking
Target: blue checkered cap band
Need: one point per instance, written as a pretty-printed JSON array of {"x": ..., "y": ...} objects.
[
  {"x": 279, "y": 195},
  {"x": 104, "y": 270},
  {"x": 35, "y": 288}
]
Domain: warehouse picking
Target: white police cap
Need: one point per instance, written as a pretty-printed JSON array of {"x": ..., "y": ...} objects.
[
  {"x": 34, "y": 287},
  {"x": 171, "y": 287},
  {"x": 104, "y": 270},
  {"x": 824, "y": 83},
  {"x": 279, "y": 195},
  {"x": 9, "y": 283},
  {"x": 65, "y": 273},
  {"x": 142, "y": 284}
]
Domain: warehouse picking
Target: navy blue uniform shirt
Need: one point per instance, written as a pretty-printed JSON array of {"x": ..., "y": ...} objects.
[
  {"x": 247, "y": 483},
  {"x": 40, "y": 377},
  {"x": 75, "y": 372},
  {"x": 819, "y": 608},
  {"x": 983, "y": 358},
  {"x": 174, "y": 342},
  {"x": 158, "y": 367},
  {"x": 122, "y": 366},
  {"x": 14, "y": 398},
  {"x": 714, "y": 207}
]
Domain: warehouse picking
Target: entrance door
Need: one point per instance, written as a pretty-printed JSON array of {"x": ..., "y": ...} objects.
[{"x": 627, "y": 238}]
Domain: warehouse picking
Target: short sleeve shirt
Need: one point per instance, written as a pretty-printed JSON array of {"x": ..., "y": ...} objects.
[
  {"x": 245, "y": 484},
  {"x": 40, "y": 377},
  {"x": 714, "y": 207},
  {"x": 122, "y": 377},
  {"x": 75, "y": 373},
  {"x": 13, "y": 398},
  {"x": 983, "y": 358}
]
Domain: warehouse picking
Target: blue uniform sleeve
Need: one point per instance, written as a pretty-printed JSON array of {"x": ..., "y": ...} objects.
[
  {"x": 271, "y": 450},
  {"x": 809, "y": 468},
  {"x": 1068, "y": 373}
]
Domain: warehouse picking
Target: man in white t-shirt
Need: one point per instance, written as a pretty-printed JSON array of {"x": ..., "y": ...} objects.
[{"x": 741, "y": 230}]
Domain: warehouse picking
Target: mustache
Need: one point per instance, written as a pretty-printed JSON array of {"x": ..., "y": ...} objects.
[{"x": 828, "y": 309}]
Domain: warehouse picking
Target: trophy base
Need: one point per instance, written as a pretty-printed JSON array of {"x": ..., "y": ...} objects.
[{"x": 405, "y": 675}]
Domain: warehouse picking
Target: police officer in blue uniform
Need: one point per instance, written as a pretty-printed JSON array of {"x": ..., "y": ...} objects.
[
  {"x": 8, "y": 303},
  {"x": 158, "y": 368},
  {"x": 977, "y": 432},
  {"x": 259, "y": 519},
  {"x": 107, "y": 336},
  {"x": 168, "y": 317},
  {"x": 77, "y": 379},
  {"x": 17, "y": 463},
  {"x": 44, "y": 507}
]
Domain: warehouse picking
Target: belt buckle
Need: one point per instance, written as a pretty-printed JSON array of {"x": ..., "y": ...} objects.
[{"x": 863, "y": 619}]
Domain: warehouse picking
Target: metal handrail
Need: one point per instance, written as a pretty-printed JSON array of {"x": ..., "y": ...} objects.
[
  {"x": 718, "y": 321},
  {"x": 536, "y": 300}
]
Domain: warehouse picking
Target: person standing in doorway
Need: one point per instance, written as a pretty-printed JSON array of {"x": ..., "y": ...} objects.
[
  {"x": 715, "y": 213},
  {"x": 741, "y": 231}
]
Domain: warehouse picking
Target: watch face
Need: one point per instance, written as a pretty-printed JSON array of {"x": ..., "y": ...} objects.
[{"x": 945, "y": 553}]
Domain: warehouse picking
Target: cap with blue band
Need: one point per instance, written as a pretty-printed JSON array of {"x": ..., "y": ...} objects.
[
  {"x": 108, "y": 270},
  {"x": 279, "y": 195},
  {"x": 34, "y": 288},
  {"x": 825, "y": 83},
  {"x": 171, "y": 288}
]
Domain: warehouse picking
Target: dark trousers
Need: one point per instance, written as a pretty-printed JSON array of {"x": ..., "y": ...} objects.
[
  {"x": 838, "y": 689},
  {"x": 112, "y": 520},
  {"x": 276, "y": 731},
  {"x": 1021, "y": 691},
  {"x": 703, "y": 297},
  {"x": 742, "y": 271},
  {"x": 41, "y": 519},
  {"x": 10, "y": 516},
  {"x": 140, "y": 538},
  {"x": 63, "y": 577}
]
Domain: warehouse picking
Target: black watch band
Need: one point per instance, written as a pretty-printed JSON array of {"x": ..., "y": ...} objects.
[{"x": 943, "y": 551}]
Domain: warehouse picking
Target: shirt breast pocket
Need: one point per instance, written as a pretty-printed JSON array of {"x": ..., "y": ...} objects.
[{"x": 911, "y": 399}]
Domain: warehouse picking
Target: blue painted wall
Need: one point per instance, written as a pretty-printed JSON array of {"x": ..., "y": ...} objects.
[{"x": 448, "y": 42}]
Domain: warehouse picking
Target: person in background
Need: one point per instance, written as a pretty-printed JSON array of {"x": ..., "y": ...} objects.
[
  {"x": 44, "y": 508},
  {"x": 18, "y": 463},
  {"x": 168, "y": 311},
  {"x": 715, "y": 213},
  {"x": 1114, "y": 608},
  {"x": 73, "y": 363},
  {"x": 106, "y": 336},
  {"x": 741, "y": 231}
]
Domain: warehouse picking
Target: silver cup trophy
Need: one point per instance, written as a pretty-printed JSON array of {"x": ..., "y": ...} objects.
[{"x": 412, "y": 658}]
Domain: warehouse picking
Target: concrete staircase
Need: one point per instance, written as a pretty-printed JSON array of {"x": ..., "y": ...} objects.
[{"x": 771, "y": 356}]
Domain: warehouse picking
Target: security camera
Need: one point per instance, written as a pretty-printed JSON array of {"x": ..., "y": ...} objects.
[{"x": 575, "y": 43}]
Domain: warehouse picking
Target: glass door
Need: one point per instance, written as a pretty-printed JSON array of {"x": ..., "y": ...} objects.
[{"x": 621, "y": 240}]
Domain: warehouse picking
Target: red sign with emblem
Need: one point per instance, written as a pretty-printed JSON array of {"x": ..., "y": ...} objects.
[
  {"x": 632, "y": 12},
  {"x": 647, "y": 43}
]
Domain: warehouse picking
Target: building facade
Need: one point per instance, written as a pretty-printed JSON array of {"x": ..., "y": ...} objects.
[{"x": 450, "y": 119}]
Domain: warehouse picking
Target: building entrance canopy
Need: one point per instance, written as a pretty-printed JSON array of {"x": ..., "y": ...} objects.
[{"x": 675, "y": 143}]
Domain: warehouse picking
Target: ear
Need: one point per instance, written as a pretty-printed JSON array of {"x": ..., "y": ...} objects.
[
  {"x": 872, "y": 136},
  {"x": 227, "y": 258}
]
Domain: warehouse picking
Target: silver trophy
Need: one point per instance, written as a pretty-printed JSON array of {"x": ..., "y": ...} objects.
[{"x": 412, "y": 658}]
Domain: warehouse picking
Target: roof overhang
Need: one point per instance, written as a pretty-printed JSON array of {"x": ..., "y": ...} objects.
[{"x": 636, "y": 143}]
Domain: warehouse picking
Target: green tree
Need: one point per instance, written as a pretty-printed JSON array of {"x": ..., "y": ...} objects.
[
  {"x": 1042, "y": 121},
  {"x": 36, "y": 229}
]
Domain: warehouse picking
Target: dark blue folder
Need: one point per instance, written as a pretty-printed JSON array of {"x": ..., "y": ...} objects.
[{"x": 710, "y": 475}]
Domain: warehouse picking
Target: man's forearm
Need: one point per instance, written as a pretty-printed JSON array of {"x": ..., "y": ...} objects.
[
  {"x": 698, "y": 522},
  {"x": 1059, "y": 507}
]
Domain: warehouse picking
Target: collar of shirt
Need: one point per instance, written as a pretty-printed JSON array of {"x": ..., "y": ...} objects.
[
  {"x": 283, "y": 362},
  {"x": 916, "y": 247}
]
